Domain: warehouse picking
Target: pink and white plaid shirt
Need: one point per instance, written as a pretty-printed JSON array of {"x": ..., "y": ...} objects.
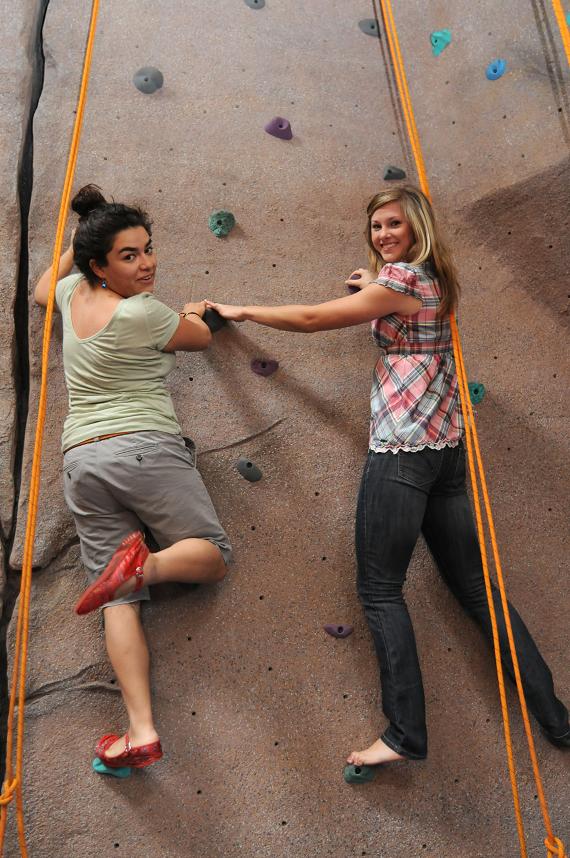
[{"x": 414, "y": 397}]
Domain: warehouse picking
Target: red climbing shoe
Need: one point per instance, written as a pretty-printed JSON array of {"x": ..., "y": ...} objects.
[
  {"x": 136, "y": 758},
  {"x": 127, "y": 561}
]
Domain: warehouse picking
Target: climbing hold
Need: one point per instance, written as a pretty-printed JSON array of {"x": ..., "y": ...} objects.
[
  {"x": 221, "y": 223},
  {"x": 394, "y": 173},
  {"x": 496, "y": 69},
  {"x": 264, "y": 367},
  {"x": 353, "y": 289},
  {"x": 338, "y": 631},
  {"x": 439, "y": 39},
  {"x": 213, "y": 320},
  {"x": 279, "y": 127},
  {"x": 148, "y": 79},
  {"x": 248, "y": 470},
  {"x": 359, "y": 774},
  {"x": 255, "y": 4},
  {"x": 369, "y": 26},
  {"x": 476, "y": 392},
  {"x": 101, "y": 769}
]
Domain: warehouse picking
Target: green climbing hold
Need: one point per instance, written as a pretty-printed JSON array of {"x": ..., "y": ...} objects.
[
  {"x": 221, "y": 223},
  {"x": 476, "y": 392},
  {"x": 439, "y": 39},
  {"x": 359, "y": 774},
  {"x": 101, "y": 769}
]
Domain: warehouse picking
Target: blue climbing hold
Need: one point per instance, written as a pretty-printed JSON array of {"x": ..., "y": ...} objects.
[
  {"x": 476, "y": 392},
  {"x": 101, "y": 769},
  {"x": 148, "y": 79},
  {"x": 439, "y": 39},
  {"x": 359, "y": 774},
  {"x": 369, "y": 26},
  {"x": 213, "y": 320},
  {"x": 353, "y": 289},
  {"x": 496, "y": 69},
  {"x": 393, "y": 173}
]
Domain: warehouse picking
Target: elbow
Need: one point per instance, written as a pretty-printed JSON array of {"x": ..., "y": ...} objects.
[
  {"x": 39, "y": 297},
  {"x": 205, "y": 339},
  {"x": 309, "y": 324}
]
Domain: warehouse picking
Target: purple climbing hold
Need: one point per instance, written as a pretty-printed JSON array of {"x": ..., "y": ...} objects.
[
  {"x": 261, "y": 366},
  {"x": 279, "y": 127},
  {"x": 353, "y": 289},
  {"x": 338, "y": 631}
]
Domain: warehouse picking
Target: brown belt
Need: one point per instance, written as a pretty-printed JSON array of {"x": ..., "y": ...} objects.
[{"x": 98, "y": 438}]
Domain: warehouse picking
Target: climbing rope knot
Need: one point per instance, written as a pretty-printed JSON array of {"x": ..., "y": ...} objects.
[
  {"x": 8, "y": 791},
  {"x": 555, "y": 848}
]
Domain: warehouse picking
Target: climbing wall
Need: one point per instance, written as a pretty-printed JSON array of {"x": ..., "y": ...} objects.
[{"x": 256, "y": 704}]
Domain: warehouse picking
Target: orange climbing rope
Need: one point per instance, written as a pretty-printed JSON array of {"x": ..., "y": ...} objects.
[
  {"x": 564, "y": 30},
  {"x": 553, "y": 844},
  {"x": 13, "y": 781}
]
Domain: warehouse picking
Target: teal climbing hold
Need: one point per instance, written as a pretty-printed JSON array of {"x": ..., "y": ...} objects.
[
  {"x": 568, "y": 18},
  {"x": 221, "y": 223},
  {"x": 496, "y": 69},
  {"x": 359, "y": 774},
  {"x": 369, "y": 26},
  {"x": 101, "y": 769},
  {"x": 255, "y": 4},
  {"x": 439, "y": 39},
  {"x": 476, "y": 392}
]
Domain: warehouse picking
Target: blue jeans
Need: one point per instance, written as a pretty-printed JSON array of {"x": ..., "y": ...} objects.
[{"x": 400, "y": 496}]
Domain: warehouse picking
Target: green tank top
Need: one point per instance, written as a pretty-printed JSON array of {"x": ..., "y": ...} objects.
[{"x": 116, "y": 377}]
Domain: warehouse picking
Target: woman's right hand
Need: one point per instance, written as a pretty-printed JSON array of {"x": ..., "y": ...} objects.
[{"x": 231, "y": 312}]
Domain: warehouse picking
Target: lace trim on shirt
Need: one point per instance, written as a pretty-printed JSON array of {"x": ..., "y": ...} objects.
[{"x": 406, "y": 448}]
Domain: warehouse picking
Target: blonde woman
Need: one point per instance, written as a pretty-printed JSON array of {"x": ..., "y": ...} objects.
[{"x": 414, "y": 476}]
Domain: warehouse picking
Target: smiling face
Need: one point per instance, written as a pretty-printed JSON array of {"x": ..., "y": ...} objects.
[
  {"x": 131, "y": 263},
  {"x": 390, "y": 232}
]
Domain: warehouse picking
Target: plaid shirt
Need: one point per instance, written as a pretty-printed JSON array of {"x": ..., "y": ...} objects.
[{"x": 414, "y": 397}]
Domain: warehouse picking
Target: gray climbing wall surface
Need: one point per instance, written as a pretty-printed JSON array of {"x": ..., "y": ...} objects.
[{"x": 257, "y": 706}]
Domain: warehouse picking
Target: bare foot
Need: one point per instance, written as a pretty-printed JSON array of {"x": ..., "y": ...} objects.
[
  {"x": 136, "y": 739},
  {"x": 374, "y": 755}
]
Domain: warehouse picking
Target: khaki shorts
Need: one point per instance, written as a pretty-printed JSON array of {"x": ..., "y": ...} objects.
[{"x": 129, "y": 482}]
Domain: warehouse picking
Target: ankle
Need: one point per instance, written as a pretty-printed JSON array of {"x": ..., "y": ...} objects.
[{"x": 150, "y": 570}]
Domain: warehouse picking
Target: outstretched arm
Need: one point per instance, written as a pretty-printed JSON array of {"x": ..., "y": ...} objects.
[{"x": 371, "y": 303}]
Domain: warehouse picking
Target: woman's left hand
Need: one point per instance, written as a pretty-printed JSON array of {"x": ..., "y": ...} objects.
[
  {"x": 228, "y": 311},
  {"x": 362, "y": 278}
]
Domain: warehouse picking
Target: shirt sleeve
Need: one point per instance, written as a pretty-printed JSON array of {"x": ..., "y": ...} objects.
[
  {"x": 161, "y": 321},
  {"x": 400, "y": 277},
  {"x": 65, "y": 287}
]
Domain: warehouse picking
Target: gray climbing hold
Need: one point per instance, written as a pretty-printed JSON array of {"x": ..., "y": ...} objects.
[
  {"x": 369, "y": 26},
  {"x": 261, "y": 366},
  {"x": 213, "y": 320},
  {"x": 394, "y": 173},
  {"x": 338, "y": 631},
  {"x": 255, "y": 4},
  {"x": 439, "y": 39},
  {"x": 148, "y": 79},
  {"x": 496, "y": 69},
  {"x": 101, "y": 769},
  {"x": 221, "y": 223},
  {"x": 279, "y": 127},
  {"x": 248, "y": 470},
  {"x": 359, "y": 774}
]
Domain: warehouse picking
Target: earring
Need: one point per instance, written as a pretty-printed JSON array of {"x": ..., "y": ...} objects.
[{"x": 103, "y": 284}]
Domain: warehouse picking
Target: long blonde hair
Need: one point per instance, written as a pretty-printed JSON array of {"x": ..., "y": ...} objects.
[{"x": 428, "y": 244}]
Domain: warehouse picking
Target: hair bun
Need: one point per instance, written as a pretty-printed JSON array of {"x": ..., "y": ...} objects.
[{"x": 87, "y": 198}]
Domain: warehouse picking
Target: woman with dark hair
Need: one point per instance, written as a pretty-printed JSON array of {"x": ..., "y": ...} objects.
[
  {"x": 126, "y": 465},
  {"x": 414, "y": 476}
]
